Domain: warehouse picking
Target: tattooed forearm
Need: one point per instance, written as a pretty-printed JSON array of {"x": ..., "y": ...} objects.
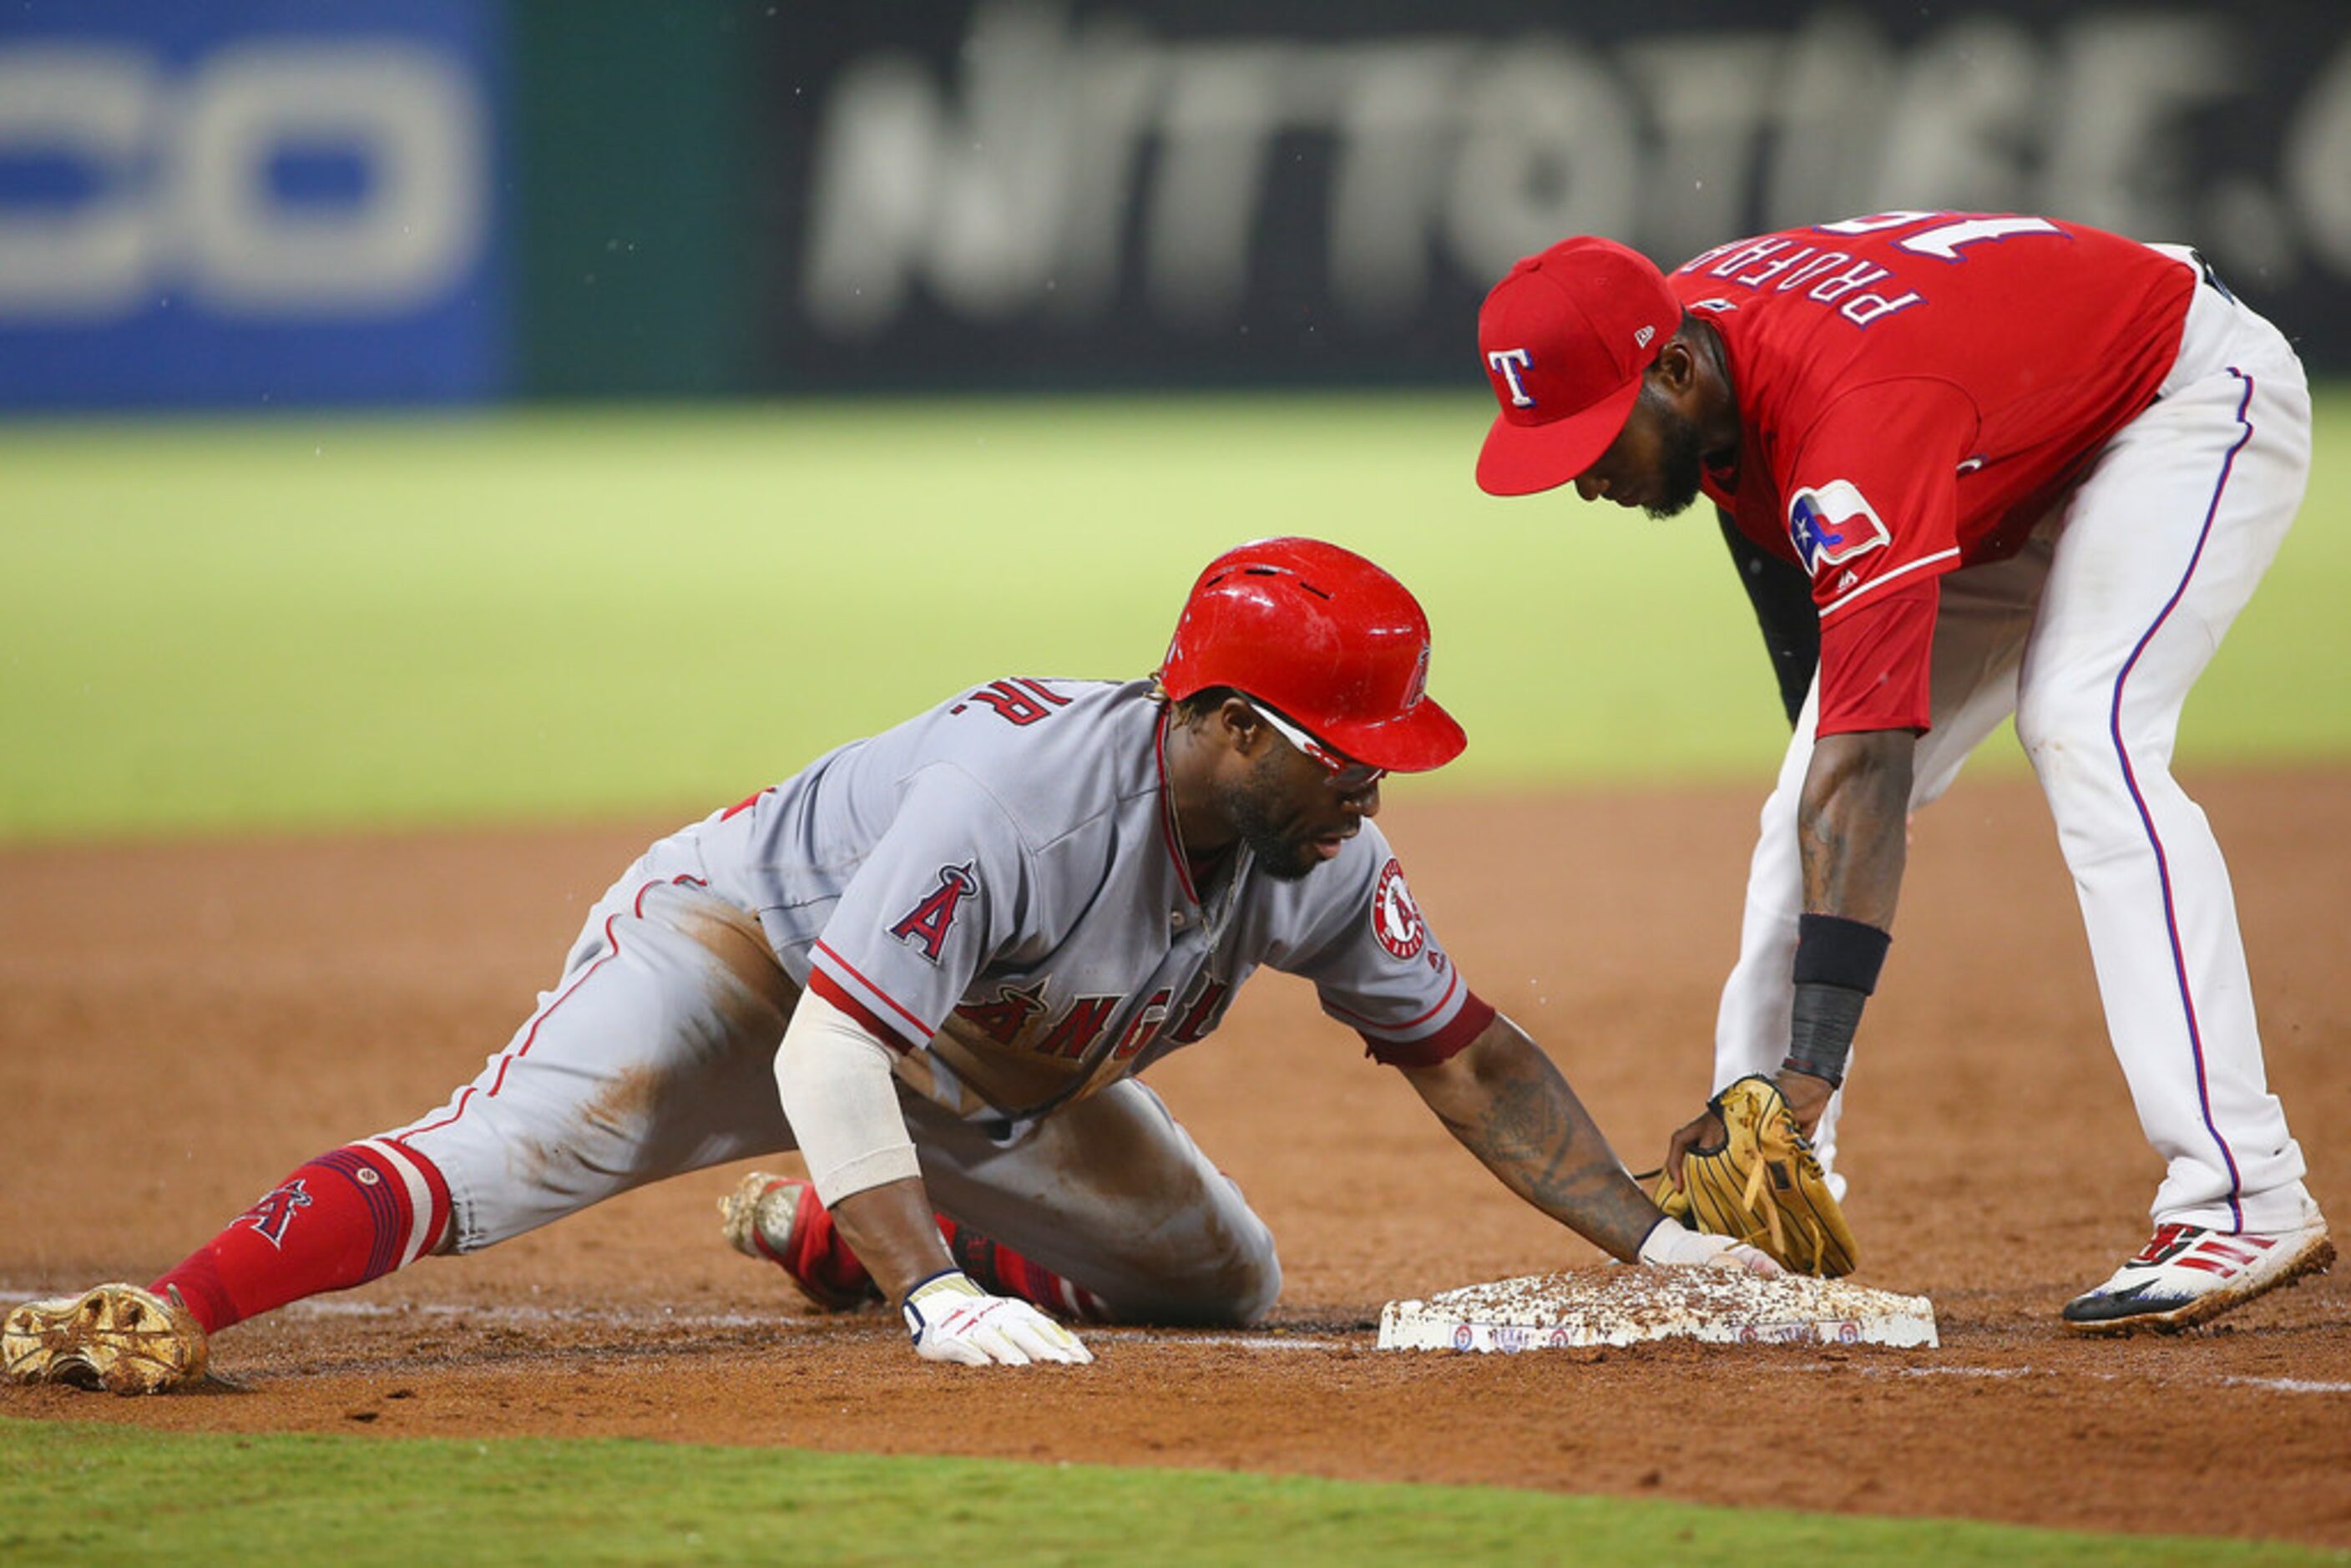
[
  {"x": 1509, "y": 1105},
  {"x": 1852, "y": 825}
]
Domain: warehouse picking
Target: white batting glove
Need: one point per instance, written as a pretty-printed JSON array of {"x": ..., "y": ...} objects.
[
  {"x": 1670, "y": 1244},
  {"x": 952, "y": 1319}
]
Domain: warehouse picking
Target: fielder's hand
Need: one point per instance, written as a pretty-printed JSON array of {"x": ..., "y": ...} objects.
[
  {"x": 1761, "y": 1182},
  {"x": 1807, "y": 1097},
  {"x": 952, "y": 1319},
  {"x": 1670, "y": 1244},
  {"x": 1703, "y": 1131}
]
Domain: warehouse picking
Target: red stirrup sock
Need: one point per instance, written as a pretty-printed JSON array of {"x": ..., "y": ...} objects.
[
  {"x": 1001, "y": 1271},
  {"x": 818, "y": 1256},
  {"x": 346, "y": 1218}
]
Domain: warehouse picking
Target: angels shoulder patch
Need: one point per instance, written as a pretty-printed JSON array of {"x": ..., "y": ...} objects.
[
  {"x": 1395, "y": 919},
  {"x": 925, "y": 925}
]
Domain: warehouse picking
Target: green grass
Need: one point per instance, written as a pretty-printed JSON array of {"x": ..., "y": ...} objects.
[
  {"x": 87, "y": 1492},
  {"x": 314, "y": 622}
]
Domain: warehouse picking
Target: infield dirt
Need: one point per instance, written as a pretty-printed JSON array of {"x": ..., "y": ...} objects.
[{"x": 183, "y": 1024}]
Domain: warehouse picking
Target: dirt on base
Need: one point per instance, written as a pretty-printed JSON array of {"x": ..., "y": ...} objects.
[{"x": 180, "y": 1026}]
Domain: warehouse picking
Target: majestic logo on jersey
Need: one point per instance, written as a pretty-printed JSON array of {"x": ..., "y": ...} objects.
[
  {"x": 1833, "y": 525},
  {"x": 1507, "y": 363},
  {"x": 928, "y": 924},
  {"x": 1395, "y": 919},
  {"x": 273, "y": 1213}
]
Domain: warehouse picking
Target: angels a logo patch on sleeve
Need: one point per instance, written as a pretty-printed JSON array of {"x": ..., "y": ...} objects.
[
  {"x": 1834, "y": 523},
  {"x": 926, "y": 924},
  {"x": 1395, "y": 919}
]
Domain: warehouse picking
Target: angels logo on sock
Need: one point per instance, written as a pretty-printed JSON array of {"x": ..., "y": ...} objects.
[
  {"x": 273, "y": 1213},
  {"x": 928, "y": 923},
  {"x": 1395, "y": 919},
  {"x": 1834, "y": 524}
]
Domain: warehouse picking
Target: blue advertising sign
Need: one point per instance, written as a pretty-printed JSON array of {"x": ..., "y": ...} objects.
[{"x": 250, "y": 204}]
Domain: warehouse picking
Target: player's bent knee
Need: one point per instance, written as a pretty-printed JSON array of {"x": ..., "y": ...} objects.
[
  {"x": 1265, "y": 1288},
  {"x": 1235, "y": 1290},
  {"x": 1251, "y": 1288},
  {"x": 2095, "y": 786},
  {"x": 2068, "y": 737},
  {"x": 2058, "y": 725}
]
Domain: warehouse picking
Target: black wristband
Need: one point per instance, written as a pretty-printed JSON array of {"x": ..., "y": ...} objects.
[
  {"x": 1821, "y": 1029},
  {"x": 1834, "y": 951}
]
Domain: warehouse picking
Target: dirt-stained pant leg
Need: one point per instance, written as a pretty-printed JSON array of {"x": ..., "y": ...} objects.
[
  {"x": 655, "y": 1055},
  {"x": 1113, "y": 1194}
]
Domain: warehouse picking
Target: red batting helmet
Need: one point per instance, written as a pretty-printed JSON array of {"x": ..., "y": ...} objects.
[{"x": 1325, "y": 638}]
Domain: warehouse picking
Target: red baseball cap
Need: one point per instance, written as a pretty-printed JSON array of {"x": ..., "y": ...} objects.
[{"x": 1565, "y": 337}]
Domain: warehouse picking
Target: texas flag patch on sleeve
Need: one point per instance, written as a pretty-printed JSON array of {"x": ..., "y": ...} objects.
[{"x": 1834, "y": 524}]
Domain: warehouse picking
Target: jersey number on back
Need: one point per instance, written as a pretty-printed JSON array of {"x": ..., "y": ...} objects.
[
  {"x": 1017, "y": 701},
  {"x": 1943, "y": 240}
]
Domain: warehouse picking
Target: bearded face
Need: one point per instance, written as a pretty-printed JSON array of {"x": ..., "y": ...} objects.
[
  {"x": 1679, "y": 462},
  {"x": 1262, "y": 807}
]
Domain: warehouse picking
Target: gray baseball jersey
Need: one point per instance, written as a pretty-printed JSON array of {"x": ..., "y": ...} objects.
[{"x": 997, "y": 888}]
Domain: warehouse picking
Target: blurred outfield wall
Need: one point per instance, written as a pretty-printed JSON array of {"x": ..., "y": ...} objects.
[{"x": 251, "y": 203}]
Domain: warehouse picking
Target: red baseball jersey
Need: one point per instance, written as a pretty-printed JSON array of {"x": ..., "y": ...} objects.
[{"x": 1916, "y": 391}]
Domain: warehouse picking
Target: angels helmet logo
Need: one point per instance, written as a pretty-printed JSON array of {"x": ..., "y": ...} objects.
[
  {"x": 1395, "y": 919},
  {"x": 928, "y": 924},
  {"x": 1834, "y": 524},
  {"x": 1418, "y": 688},
  {"x": 275, "y": 1212}
]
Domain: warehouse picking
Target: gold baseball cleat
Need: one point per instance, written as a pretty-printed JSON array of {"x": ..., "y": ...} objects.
[{"x": 118, "y": 1338}]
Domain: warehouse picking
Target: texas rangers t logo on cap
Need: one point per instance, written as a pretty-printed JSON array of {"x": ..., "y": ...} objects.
[
  {"x": 1507, "y": 363},
  {"x": 1567, "y": 337}
]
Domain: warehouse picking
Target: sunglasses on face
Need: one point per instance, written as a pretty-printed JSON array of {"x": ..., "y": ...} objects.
[{"x": 1348, "y": 776}]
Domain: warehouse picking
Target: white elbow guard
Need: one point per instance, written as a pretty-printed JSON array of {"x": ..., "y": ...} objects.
[{"x": 842, "y": 1098}]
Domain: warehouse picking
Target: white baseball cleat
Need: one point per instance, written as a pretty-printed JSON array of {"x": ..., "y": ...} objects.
[
  {"x": 2186, "y": 1275},
  {"x": 782, "y": 1219},
  {"x": 118, "y": 1338}
]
